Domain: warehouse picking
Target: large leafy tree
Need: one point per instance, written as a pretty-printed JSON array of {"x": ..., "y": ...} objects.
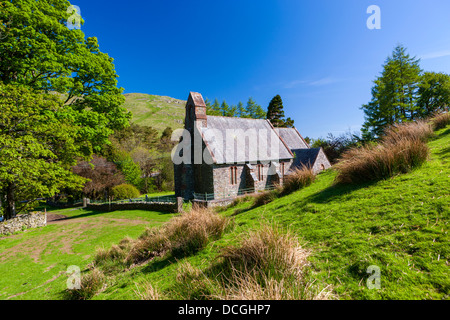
[
  {"x": 37, "y": 147},
  {"x": 39, "y": 55},
  {"x": 394, "y": 94},
  {"x": 38, "y": 50}
]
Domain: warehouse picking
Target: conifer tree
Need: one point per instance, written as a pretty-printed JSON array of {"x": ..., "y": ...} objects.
[{"x": 394, "y": 95}]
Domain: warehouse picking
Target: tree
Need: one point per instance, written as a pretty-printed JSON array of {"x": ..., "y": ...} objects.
[
  {"x": 39, "y": 51},
  {"x": 215, "y": 109},
  {"x": 275, "y": 113},
  {"x": 40, "y": 55},
  {"x": 212, "y": 110},
  {"x": 434, "y": 93},
  {"x": 226, "y": 110},
  {"x": 102, "y": 176},
  {"x": 240, "y": 110},
  {"x": 394, "y": 94},
  {"x": 37, "y": 147},
  {"x": 254, "y": 110}
]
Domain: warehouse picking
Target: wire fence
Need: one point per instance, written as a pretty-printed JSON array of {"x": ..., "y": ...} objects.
[{"x": 161, "y": 199}]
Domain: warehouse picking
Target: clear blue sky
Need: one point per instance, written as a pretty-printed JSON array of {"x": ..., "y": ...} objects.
[{"x": 318, "y": 55}]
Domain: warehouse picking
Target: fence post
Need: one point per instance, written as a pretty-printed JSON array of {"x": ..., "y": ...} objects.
[{"x": 179, "y": 204}]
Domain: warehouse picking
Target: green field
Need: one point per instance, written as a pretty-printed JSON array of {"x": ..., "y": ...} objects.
[
  {"x": 155, "y": 111},
  {"x": 399, "y": 225}
]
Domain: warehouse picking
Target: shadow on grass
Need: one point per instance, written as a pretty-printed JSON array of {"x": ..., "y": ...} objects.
[
  {"x": 336, "y": 191},
  {"x": 158, "y": 263}
]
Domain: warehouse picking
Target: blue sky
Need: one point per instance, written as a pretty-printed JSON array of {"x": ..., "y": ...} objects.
[{"x": 318, "y": 55}]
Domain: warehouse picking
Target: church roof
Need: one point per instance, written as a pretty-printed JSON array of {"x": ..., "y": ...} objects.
[{"x": 250, "y": 140}]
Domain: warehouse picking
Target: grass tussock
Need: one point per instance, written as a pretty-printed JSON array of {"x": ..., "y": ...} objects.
[
  {"x": 402, "y": 149},
  {"x": 181, "y": 236},
  {"x": 268, "y": 265},
  {"x": 440, "y": 121},
  {"x": 90, "y": 285},
  {"x": 298, "y": 179}
]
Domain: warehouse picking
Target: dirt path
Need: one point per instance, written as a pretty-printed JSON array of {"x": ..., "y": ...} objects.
[{"x": 54, "y": 218}]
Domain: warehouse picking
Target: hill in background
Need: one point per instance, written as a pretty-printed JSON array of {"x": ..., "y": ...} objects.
[{"x": 155, "y": 111}]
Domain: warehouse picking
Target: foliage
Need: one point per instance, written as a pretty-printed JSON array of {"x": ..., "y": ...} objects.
[
  {"x": 102, "y": 176},
  {"x": 275, "y": 113},
  {"x": 39, "y": 51},
  {"x": 125, "y": 191},
  {"x": 335, "y": 146},
  {"x": 394, "y": 94},
  {"x": 434, "y": 94},
  {"x": 37, "y": 146}
]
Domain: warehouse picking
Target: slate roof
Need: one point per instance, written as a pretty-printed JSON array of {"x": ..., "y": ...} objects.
[
  {"x": 305, "y": 157},
  {"x": 292, "y": 138},
  {"x": 267, "y": 140}
]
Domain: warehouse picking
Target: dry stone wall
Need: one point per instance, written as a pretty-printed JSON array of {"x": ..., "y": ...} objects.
[{"x": 23, "y": 222}]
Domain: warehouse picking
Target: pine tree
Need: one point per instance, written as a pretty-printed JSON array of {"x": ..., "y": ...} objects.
[
  {"x": 275, "y": 112},
  {"x": 215, "y": 108},
  {"x": 254, "y": 110},
  {"x": 226, "y": 110},
  {"x": 240, "y": 111},
  {"x": 394, "y": 95}
]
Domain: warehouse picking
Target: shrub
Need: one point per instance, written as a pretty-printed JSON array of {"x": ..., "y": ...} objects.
[
  {"x": 440, "y": 121},
  {"x": 300, "y": 178},
  {"x": 125, "y": 191}
]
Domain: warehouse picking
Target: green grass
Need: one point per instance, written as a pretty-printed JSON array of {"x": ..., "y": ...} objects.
[
  {"x": 398, "y": 224},
  {"x": 155, "y": 111},
  {"x": 33, "y": 263}
]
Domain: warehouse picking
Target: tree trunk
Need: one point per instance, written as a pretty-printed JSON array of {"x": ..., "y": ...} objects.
[{"x": 10, "y": 206}]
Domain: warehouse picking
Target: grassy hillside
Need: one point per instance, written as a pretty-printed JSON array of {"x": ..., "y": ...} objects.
[
  {"x": 156, "y": 111},
  {"x": 399, "y": 225}
]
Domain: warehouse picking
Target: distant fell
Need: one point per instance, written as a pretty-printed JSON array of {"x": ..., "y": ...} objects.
[{"x": 155, "y": 111}]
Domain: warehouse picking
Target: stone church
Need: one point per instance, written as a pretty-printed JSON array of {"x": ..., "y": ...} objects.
[{"x": 219, "y": 158}]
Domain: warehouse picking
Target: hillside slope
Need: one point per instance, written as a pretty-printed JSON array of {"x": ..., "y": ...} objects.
[
  {"x": 155, "y": 111},
  {"x": 399, "y": 225}
]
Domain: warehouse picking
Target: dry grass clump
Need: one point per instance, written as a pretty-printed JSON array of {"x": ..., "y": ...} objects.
[
  {"x": 149, "y": 292},
  {"x": 91, "y": 284},
  {"x": 440, "y": 121},
  {"x": 181, "y": 236},
  {"x": 268, "y": 265},
  {"x": 298, "y": 179},
  {"x": 401, "y": 149},
  {"x": 264, "y": 197},
  {"x": 417, "y": 131},
  {"x": 268, "y": 250}
]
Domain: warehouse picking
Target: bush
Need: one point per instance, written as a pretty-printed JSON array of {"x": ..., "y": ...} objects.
[
  {"x": 125, "y": 191},
  {"x": 402, "y": 148}
]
